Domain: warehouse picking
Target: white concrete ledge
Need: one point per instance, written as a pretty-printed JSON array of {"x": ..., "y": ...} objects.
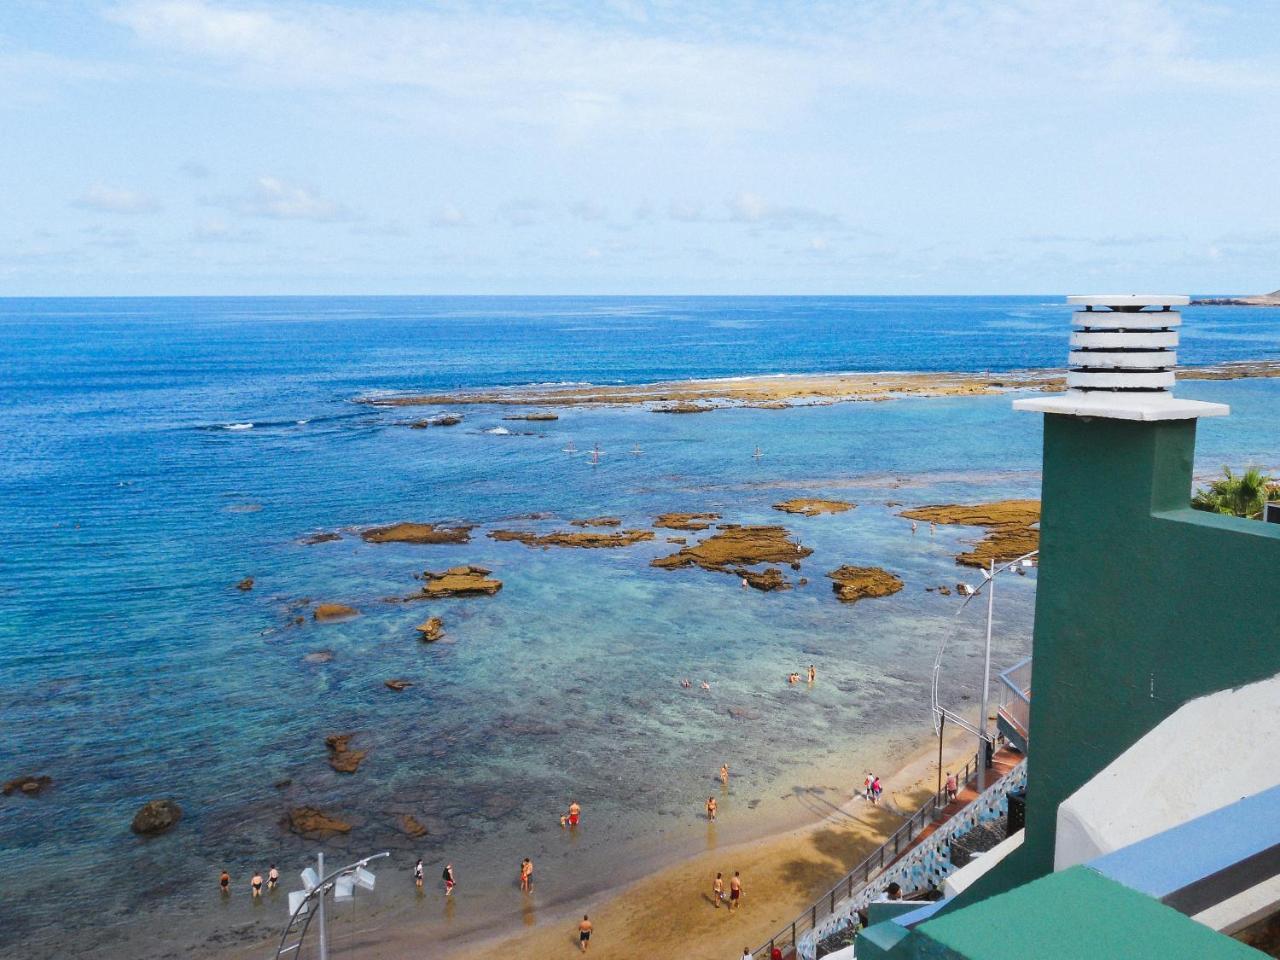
[
  {"x": 1122, "y": 406},
  {"x": 1129, "y": 300}
]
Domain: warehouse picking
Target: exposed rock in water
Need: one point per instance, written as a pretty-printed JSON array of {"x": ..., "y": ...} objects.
[
  {"x": 283, "y": 784},
  {"x": 416, "y": 533},
  {"x": 684, "y": 408},
  {"x": 28, "y": 786},
  {"x": 686, "y": 521},
  {"x": 742, "y": 713},
  {"x": 410, "y": 826},
  {"x": 858, "y": 583},
  {"x": 156, "y": 816},
  {"x": 443, "y": 420},
  {"x": 333, "y": 611},
  {"x": 737, "y": 546},
  {"x": 312, "y": 539},
  {"x": 770, "y": 578},
  {"x": 543, "y": 415},
  {"x": 769, "y": 405},
  {"x": 1009, "y": 522},
  {"x": 313, "y": 824},
  {"x": 597, "y": 522},
  {"x": 398, "y": 685},
  {"x": 622, "y": 538},
  {"x": 245, "y": 584},
  {"x": 341, "y": 757},
  {"x": 465, "y": 581},
  {"x": 319, "y": 656},
  {"x": 679, "y": 540},
  {"x": 810, "y": 507},
  {"x": 431, "y": 630}
]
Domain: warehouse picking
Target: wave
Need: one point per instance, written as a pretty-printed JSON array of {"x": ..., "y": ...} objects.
[
  {"x": 237, "y": 426},
  {"x": 499, "y": 431}
]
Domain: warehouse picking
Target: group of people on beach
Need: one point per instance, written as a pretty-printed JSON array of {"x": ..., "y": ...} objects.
[
  {"x": 256, "y": 882},
  {"x": 871, "y": 788},
  {"x": 734, "y": 896}
]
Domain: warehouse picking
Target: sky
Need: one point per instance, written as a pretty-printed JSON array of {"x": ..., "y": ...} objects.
[{"x": 164, "y": 147}]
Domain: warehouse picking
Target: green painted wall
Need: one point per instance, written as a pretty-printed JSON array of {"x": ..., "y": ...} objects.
[{"x": 1142, "y": 604}]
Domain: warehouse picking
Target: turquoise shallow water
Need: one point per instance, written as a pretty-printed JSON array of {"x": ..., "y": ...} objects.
[{"x": 130, "y": 667}]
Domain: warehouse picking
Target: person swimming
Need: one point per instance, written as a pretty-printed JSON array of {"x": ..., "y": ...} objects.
[
  {"x": 273, "y": 877},
  {"x": 224, "y": 882},
  {"x": 256, "y": 884}
]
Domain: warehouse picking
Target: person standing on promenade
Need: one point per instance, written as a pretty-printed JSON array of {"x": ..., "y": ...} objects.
[
  {"x": 255, "y": 884},
  {"x": 717, "y": 890},
  {"x": 224, "y": 882},
  {"x": 951, "y": 787},
  {"x": 735, "y": 891},
  {"x": 724, "y": 774},
  {"x": 273, "y": 877},
  {"x": 712, "y": 806},
  {"x": 417, "y": 874},
  {"x": 449, "y": 880},
  {"x": 584, "y": 933}
]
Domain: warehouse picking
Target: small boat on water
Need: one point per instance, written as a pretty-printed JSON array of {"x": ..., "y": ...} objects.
[
  {"x": 636, "y": 451},
  {"x": 758, "y": 454}
]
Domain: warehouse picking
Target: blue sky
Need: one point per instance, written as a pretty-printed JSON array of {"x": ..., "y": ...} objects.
[{"x": 914, "y": 146}]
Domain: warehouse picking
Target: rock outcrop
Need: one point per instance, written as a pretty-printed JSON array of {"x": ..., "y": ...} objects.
[
  {"x": 545, "y": 415},
  {"x": 398, "y": 685},
  {"x": 431, "y": 630},
  {"x": 318, "y": 656},
  {"x": 416, "y": 533},
  {"x": 28, "y": 786},
  {"x": 684, "y": 408},
  {"x": 156, "y": 816},
  {"x": 443, "y": 420},
  {"x": 620, "y": 538},
  {"x": 245, "y": 584},
  {"x": 771, "y": 578},
  {"x": 686, "y": 521},
  {"x": 852, "y": 584},
  {"x": 312, "y": 539},
  {"x": 325, "y": 612},
  {"x": 737, "y": 547},
  {"x": 341, "y": 757},
  {"x": 1009, "y": 523},
  {"x": 810, "y": 507},
  {"x": 410, "y": 826},
  {"x": 313, "y": 824},
  {"x": 597, "y": 522},
  {"x": 465, "y": 581}
]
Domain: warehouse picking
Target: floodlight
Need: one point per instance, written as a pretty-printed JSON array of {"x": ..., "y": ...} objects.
[
  {"x": 344, "y": 888},
  {"x": 364, "y": 879},
  {"x": 310, "y": 879},
  {"x": 296, "y": 899}
]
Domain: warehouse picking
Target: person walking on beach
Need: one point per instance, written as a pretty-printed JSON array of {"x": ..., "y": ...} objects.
[
  {"x": 273, "y": 877},
  {"x": 951, "y": 787},
  {"x": 417, "y": 874},
  {"x": 584, "y": 933},
  {"x": 717, "y": 890},
  {"x": 735, "y": 891},
  {"x": 866, "y": 788},
  {"x": 876, "y": 789},
  {"x": 724, "y": 774},
  {"x": 255, "y": 884},
  {"x": 224, "y": 882},
  {"x": 449, "y": 881},
  {"x": 712, "y": 806}
]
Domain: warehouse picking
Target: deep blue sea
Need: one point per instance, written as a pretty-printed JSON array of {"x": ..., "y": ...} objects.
[{"x": 131, "y": 667}]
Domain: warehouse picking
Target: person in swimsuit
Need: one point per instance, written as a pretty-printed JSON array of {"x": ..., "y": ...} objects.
[
  {"x": 575, "y": 812},
  {"x": 526, "y": 875},
  {"x": 717, "y": 890},
  {"x": 584, "y": 933},
  {"x": 256, "y": 884},
  {"x": 417, "y": 874},
  {"x": 735, "y": 891},
  {"x": 273, "y": 877},
  {"x": 724, "y": 774},
  {"x": 813, "y": 674},
  {"x": 448, "y": 879},
  {"x": 705, "y": 685},
  {"x": 224, "y": 882},
  {"x": 712, "y": 806}
]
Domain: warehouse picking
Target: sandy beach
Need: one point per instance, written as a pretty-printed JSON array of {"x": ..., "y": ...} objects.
[{"x": 784, "y": 390}]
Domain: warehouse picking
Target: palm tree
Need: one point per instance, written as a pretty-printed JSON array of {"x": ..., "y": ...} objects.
[{"x": 1238, "y": 495}]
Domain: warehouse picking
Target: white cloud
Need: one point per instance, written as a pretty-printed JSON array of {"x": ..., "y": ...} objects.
[
  {"x": 751, "y": 208},
  {"x": 448, "y": 216},
  {"x": 276, "y": 199},
  {"x": 105, "y": 199}
]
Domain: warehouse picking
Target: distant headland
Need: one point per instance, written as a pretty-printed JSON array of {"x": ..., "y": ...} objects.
[{"x": 1271, "y": 299}]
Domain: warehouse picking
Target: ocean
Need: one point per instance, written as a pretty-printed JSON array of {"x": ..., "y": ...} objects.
[{"x": 137, "y": 497}]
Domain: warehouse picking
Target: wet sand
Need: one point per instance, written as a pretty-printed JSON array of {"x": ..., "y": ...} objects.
[{"x": 780, "y": 391}]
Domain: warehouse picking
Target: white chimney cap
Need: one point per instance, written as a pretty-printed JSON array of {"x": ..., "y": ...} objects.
[{"x": 1131, "y": 301}]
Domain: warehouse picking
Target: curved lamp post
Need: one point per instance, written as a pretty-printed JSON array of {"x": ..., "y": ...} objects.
[
  {"x": 941, "y": 715},
  {"x": 309, "y": 902}
]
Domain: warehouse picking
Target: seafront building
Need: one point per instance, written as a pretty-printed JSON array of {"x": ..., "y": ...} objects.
[{"x": 1152, "y": 793}]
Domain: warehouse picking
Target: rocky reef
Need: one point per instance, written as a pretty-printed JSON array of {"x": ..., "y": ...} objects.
[
  {"x": 686, "y": 521},
  {"x": 398, "y": 685},
  {"x": 1009, "y": 523},
  {"x": 430, "y": 630},
  {"x": 684, "y": 408},
  {"x": 341, "y": 757},
  {"x": 464, "y": 581},
  {"x": 410, "y": 826},
  {"x": 155, "y": 817},
  {"x": 314, "y": 824},
  {"x": 811, "y": 507},
  {"x": 544, "y": 415},
  {"x": 596, "y": 522},
  {"x": 852, "y": 584},
  {"x": 621, "y": 538},
  {"x": 245, "y": 584},
  {"x": 736, "y": 547},
  {"x": 416, "y": 533},
  {"x": 325, "y": 612},
  {"x": 770, "y": 578},
  {"x": 443, "y": 420},
  {"x": 312, "y": 539},
  {"x": 28, "y": 786}
]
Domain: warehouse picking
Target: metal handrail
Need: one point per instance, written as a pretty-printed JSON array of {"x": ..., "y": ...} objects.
[{"x": 857, "y": 878}]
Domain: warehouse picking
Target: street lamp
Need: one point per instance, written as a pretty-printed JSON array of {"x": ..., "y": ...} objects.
[
  {"x": 309, "y": 902},
  {"x": 941, "y": 715}
]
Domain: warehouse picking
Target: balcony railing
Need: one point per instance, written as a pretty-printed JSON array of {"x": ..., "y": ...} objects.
[{"x": 1014, "y": 711}]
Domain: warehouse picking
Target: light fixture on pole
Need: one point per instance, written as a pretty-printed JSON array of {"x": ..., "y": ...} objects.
[{"x": 309, "y": 902}]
